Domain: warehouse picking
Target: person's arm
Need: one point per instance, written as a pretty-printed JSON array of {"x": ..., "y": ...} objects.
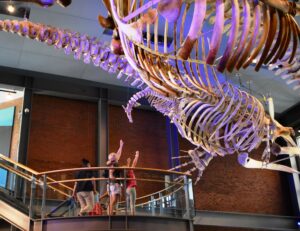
[
  {"x": 136, "y": 158},
  {"x": 103, "y": 196},
  {"x": 119, "y": 152}
]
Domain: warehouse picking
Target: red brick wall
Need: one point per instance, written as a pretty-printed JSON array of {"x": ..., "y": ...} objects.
[
  {"x": 227, "y": 186},
  {"x": 62, "y": 132},
  {"x": 147, "y": 134}
]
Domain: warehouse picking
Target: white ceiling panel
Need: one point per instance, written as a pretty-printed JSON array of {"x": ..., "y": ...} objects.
[
  {"x": 93, "y": 73},
  {"x": 9, "y": 57},
  {"x": 51, "y": 65},
  {"x": 43, "y": 49}
]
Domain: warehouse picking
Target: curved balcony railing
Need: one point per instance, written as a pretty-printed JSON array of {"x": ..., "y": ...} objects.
[{"x": 159, "y": 192}]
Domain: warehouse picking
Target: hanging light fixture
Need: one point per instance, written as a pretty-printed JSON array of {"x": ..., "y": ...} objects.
[{"x": 10, "y": 7}]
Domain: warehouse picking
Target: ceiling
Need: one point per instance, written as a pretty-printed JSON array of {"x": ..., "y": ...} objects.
[{"x": 81, "y": 16}]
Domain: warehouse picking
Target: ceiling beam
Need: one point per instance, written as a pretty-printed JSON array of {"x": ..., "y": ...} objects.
[{"x": 66, "y": 87}]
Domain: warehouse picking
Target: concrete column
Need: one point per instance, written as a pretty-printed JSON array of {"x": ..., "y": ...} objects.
[{"x": 102, "y": 140}]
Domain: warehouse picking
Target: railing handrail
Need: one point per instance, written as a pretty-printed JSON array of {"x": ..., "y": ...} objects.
[
  {"x": 33, "y": 172},
  {"x": 108, "y": 179},
  {"x": 30, "y": 178},
  {"x": 151, "y": 194},
  {"x": 61, "y": 182},
  {"x": 107, "y": 168},
  {"x": 18, "y": 164}
]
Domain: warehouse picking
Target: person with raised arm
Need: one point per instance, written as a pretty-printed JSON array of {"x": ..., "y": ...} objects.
[
  {"x": 131, "y": 184},
  {"x": 113, "y": 185}
]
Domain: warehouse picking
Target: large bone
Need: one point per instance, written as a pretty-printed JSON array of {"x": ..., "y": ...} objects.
[
  {"x": 217, "y": 33},
  {"x": 282, "y": 5},
  {"x": 195, "y": 29},
  {"x": 247, "y": 162},
  {"x": 81, "y": 46},
  {"x": 243, "y": 39},
  {"x": 270, "y": 38},
  {"x": 232, "y": 37},
  {"x": 170, "y": 9}
]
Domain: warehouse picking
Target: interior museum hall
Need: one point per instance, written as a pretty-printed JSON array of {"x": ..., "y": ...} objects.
[{"x": 145, "y": 115}]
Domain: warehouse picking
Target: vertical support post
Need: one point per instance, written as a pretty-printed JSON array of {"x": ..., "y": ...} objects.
[
  {"x": 102, "y": 141},
  {"x": 43, "y": 209},
  {"x": 25, "y": 122},
  {"x": 173, "y": 144},
  {"x": 294, "y": 180},
  {"x": 126, "y": 199},
  {"x": 24, "y": 192},
  {"x": 32, "y": 197},
  {"x": 187, "y": 202},
  {"x": 161, "y": 202},
  {"x": 186, "y": 196},
  {"x": 152, "y": 206},
  {"x": 24, "y": 133}
]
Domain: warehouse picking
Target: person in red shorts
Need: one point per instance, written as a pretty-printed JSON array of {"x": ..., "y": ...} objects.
[{"x": 131, "y": 184}]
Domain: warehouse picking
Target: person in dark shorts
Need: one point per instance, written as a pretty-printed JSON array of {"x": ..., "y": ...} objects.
[{"x": 84, "y": 190}]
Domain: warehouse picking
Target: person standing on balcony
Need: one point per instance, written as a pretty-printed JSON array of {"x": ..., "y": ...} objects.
[
  {"x": 113, "y": 186},
  {"x": 84, "y": 190},
  {"x": 131, "y": 184}
]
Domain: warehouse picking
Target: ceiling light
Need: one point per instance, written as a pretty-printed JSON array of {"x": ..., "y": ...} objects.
[
  {"x": 8, "y": 96},
  {"x": 10, "y": 8}
]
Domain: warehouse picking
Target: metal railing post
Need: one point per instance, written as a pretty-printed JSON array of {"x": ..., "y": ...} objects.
[
  {"x": 110, "y": 212},
  {"x": 126, "y": 204},
  {"x": 152, "y": 204},
  {"x": 32, "y": 192},
  {"x": 186, "y": 195},
  {"x": 187, "y": 202},
  {"x": 43, "y": 209},
  {"x": 24, "y": 192},
  {"x": 161, "y": 201}
]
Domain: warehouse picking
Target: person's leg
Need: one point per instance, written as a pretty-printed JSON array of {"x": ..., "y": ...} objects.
[
  {"x": 128, "y": 200},
  {"x": 89, "y": 201},
  {"x": 132, "y": 200},
  {"x": 81, "y": 200},
  {"x": 112, "y": 203},
  {"x": 116, "y": 203}
]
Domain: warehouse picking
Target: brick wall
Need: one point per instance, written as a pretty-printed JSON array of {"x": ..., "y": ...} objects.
[
  {"x": 147, "y": 134},
  {"x": 14, "y": 147},
  {"x": 62, "y": 132},
  {"x": 227, "y": 186}
]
